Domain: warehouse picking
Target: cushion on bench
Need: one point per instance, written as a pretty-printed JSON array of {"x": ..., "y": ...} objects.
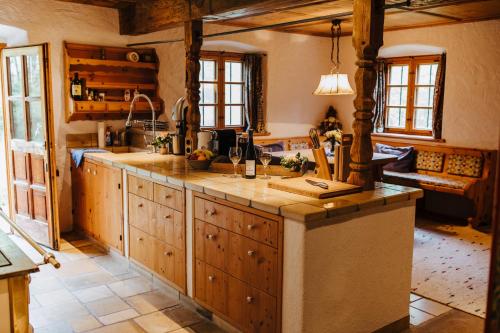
[
  {"x": 405, "y": 156},
  {"x": 465, "y": 165},
  {"x": 429, "y": 160},
  {"x": 454, "y": 183}
]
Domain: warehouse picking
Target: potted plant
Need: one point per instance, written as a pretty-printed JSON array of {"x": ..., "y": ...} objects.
[
  {"x": 294, "y": 163},
  {"x": 162, "y": 142}
]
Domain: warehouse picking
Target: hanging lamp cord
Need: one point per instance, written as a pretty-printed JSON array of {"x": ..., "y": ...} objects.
[{"x": 336, "y": 31}]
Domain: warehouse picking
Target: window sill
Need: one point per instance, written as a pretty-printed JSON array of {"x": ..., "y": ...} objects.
[{"x": 407, "y": 137}]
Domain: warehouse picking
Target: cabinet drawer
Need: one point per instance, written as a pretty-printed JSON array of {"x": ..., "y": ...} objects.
[
  {"x": 141, "y": 247},
  {"x": 168, "y": 226},
  {"x": 253, "y": 262},
  {"x": 211, "y": 244},
  {"x": 140, "y": 187},
  {"x": 210, "y": 286},
  {"x": 168, "y": 196},
  {"x": 220, "y": 215},
  {"x": 252, "y": 309},
  {"x": 259, "y": 229},
  {"x": 140, "y": 213}
]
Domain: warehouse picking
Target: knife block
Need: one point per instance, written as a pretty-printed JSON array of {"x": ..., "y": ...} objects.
[{"x": 322, "y": 166}]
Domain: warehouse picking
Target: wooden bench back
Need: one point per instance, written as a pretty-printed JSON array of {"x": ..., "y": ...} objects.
[
  {"x": 489, "y": 156},
  {"x": 290, "y": 143}
]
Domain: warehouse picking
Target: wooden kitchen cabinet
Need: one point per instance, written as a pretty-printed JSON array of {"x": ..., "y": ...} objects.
[
  {"x": 157, "y": 229},
  {"x": 238, "y": 263},
  {"x": 98, "y": 202}
]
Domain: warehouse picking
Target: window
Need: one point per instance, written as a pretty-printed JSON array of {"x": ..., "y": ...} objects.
[
  {"x": 221, "y": 91},
  {"x": 410, "y": 85}
]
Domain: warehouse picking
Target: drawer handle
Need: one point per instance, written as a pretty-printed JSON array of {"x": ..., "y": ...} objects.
[
  {"x": 169, "y": 253},
  {"x": 211, "y": 237},
  {"x": 139, "y": 187},
  {"x": 168, "y": 196},
  {"x": 88, "y": 170},
  {"x": 211, "y": 212},
  {"x": 250, "y": 226},
  {"x": 167, "y": 216},
  {"x": 140, "y": 239},
  {"x": 140, "y": 205},
  {"x": 211, "y": 278},
  {"x": 249, "y": 299},
  {"x": 95, "y": 172},
  {"x": 251, "y": 253}
]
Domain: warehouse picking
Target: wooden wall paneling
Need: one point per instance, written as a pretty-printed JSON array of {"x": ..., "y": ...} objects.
[{"x": 367, "y": 39}]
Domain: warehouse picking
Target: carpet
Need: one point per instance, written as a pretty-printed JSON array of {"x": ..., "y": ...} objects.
[{"x": 451, "y": 265}]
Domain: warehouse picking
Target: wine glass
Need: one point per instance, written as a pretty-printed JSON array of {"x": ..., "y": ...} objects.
[
  {"x": 235, "y": 157},
  {"x": 265, "y": 157}
]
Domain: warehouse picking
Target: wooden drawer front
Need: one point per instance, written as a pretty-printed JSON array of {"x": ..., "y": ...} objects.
[
  {"x": 168, "y": 226},
  {"x": 253, "y": 262},
  {"x": 141, "y": 247},
  {"x": 211, "y": 244},
  {"x": 140, "y": 187},
  {"x": 164, "y": 259},
  {"x": 220, "y": 215},
  {"x": 259, "y": 229},
  {"x": 169, "y": 197},
  {"x": 140, "y": 212},
  {"x": 251, "y": 309},
  {"x": 210, "y": 286}
]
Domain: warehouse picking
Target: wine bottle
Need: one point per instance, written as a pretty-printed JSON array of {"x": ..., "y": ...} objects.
[
  {"x": 250, "y": 158},
  {"x": 76, "y": 88}
]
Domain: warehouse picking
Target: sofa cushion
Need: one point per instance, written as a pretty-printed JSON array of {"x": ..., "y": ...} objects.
[
  {"x": 429, "y": 160},
  {"x": 465, "y": 165},
  {"x": 405, "y": 157},
  {"x": 428, "y": 179}
]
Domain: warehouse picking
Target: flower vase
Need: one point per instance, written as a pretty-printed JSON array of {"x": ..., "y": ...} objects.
[{"x": 163, "y": 150}]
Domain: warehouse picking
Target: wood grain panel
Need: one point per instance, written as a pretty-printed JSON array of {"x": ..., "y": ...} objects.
[
  {"x": 211, "y": 286},
  {"x": 169, "y": 197},
  {"x": 140, "y": 212},
  {"x": 37, "y": 164},
  {"x": 211, "y": 244},
  {"x": 140, "y": 187},
  {"x": 39, "y": 205},
  {"x": 22, "y": 203},
  {"x": 141, "y": 247},
  {"x": 20, "y": 167}
]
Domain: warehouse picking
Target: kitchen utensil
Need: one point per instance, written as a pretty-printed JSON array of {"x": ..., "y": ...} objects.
[
  {"x": 297, "y": 186},
  {"x": 314, "y": 135},
  {"x": 323, "y": 185}
]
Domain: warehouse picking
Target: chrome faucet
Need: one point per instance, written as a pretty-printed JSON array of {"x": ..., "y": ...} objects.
[{"x": 153, "y": 118}]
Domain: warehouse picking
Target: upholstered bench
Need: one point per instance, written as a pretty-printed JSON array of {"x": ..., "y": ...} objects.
[{"x": 459, "y": 171}]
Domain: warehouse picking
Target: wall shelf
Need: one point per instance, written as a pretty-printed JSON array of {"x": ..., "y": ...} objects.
[{"x": 112, "y": 76}]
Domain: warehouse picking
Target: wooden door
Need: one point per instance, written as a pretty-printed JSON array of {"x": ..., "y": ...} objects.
[{"x": 29, "y": 135}]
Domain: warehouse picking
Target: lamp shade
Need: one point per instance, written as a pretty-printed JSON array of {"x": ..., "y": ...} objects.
[{"x": 334, "y": 84}]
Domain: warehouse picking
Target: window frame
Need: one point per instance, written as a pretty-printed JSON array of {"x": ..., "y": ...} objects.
[
  {"x": 220, "y": 57},
  {"x": 412, "y": 62}
]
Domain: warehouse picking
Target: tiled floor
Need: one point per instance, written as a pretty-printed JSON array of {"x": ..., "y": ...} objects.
[{"x": 99, "y": 293}]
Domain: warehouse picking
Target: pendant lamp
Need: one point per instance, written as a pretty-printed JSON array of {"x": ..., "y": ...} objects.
[{"x": 334, "y": 83}]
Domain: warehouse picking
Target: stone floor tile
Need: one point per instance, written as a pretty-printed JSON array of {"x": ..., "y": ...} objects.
[
  {"x": 85, "y": 323},
  {"x": 107, "y": 306},
  {"x": 41, "y": 285},
  {"x": 183, "y": 316},
  {"x": 113, "y": 265},
  {"x": 85, "y": 252},
  {"x": 151, "y": 302},
  {"x": 454, "y": 321},
  {"x": 157, "y": 322},
  {"x": 48, "y": 315},
  {"x": 431, "y": 307},
  {"x": 89, "y": 280},
  {"x": 123, "y": 327},
  {"x": 57, "y": 297},
  {"x": 126, "y": 276},
  {"x": 418, "y": 317},
  {"x": 56, "y": 327},
  {"x": 78, "y": 267},
  {"x": 93, "y": 294},
  {"x": 118, "y": 316},
  {"x": 131, "y": 287},
  {"x": 414, "y": 297}
]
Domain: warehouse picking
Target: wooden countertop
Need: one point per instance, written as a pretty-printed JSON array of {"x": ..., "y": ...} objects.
[
  {"x": 20, "y": 263},
  {"x": 254, "y": 193}
]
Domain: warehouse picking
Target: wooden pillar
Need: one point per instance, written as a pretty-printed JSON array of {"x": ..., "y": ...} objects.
[
  {"x": 193, "y": 31},
  {"x": 367, "y": 38}
]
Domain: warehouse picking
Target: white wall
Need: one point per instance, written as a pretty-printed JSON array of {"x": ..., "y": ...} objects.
[
  {"x": 294, "y": 64},
  {"x": 54, "y": 22},
  {"x": 471, "y": 109}
]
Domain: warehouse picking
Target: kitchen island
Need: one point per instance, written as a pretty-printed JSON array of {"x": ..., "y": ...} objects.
[{"x": 265, "y": 260}]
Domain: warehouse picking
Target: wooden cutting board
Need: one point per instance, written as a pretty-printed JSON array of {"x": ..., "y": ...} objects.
[{"x": 300, "y": 186}]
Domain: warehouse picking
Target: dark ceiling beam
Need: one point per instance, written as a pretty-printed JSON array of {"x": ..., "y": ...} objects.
[{"x": 154, "y": 15}]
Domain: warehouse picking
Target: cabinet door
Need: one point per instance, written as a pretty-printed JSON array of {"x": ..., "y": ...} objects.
[
  {"x": 111, "y": 213},
  {"x": 141, "y": 247},
  {"x": 180, "y": 268},
  {"x": 77, "y": 195},
  {"x": 88, "y": 198},
  {"x": 253, "y": 263},
  {"x": 211, "y": 286},
  {"x": 251, "y": 309},
  {"x": 164, "y": 259},
  {"x": 211, "y": 244}
]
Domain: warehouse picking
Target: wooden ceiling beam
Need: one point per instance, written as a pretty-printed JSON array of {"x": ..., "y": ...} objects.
[{"x": 154, "y": 15}]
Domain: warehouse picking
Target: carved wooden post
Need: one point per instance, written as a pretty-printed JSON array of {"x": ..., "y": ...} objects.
[
  {"x": 367, "y": 38},
  {"x": 193, "y": 31}
]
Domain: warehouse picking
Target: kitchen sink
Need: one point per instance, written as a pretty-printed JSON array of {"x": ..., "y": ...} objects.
[{"x": 4, "y": 261}]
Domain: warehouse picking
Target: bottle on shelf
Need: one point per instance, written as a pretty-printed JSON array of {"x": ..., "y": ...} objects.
[
  {"x": 250, "y": 158},
  {"x": 76, "y": 88}
]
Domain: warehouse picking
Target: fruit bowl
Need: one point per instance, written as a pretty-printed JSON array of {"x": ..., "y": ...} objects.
[
  {"x": 199, "y": 165},
  {"x": 200, "y": 159}
]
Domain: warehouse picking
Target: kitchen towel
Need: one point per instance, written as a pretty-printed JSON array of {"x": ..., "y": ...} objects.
[{"x": 77, "y": 154}]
